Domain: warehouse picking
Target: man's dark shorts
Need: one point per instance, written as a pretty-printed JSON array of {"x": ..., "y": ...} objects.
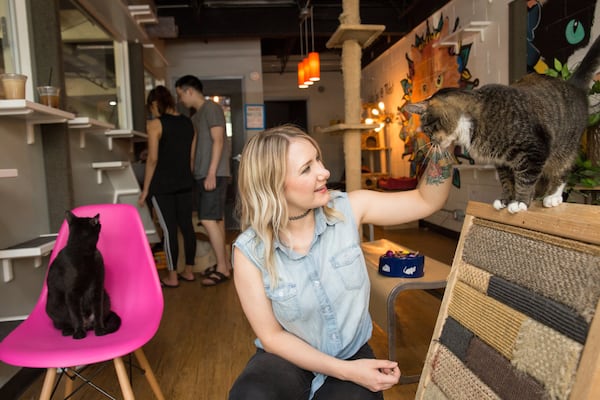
[{"x": 211, "y": 204}]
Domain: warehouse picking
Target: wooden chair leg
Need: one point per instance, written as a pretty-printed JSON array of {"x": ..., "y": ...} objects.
[
  {"x": 123, "y": 379},
  {"x": 141, "y": 357},
  {"x": 68, "y": 385},
  {"x": 48, "y": 384}
]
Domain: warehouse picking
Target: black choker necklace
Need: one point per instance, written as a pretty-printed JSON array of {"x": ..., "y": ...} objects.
[{"x": 297, "y": 217}]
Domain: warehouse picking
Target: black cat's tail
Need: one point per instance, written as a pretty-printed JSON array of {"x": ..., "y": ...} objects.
[{"x": 588, "y": 66}]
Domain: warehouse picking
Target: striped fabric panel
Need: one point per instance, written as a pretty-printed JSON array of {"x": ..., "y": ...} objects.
[
  {"x": 455, "y": 380},
  {"x": 563, "y": 270},
  {"x": 548, "y": 312},
  {"x": 456, "y": 338},
  {"x": 494, "y": 322},
  {"x": 548, "y": 356},
  {"x": 473, "y": 276},
  {"x": 497, "y": 372}
]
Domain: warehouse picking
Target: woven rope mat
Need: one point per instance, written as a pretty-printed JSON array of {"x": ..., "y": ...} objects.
[
  {"x": 559, "y": 269},
  {"x": 517, "y": 316}
]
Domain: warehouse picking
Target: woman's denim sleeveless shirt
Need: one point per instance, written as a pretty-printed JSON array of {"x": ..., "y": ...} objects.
[{"x": 323, "y": 296}]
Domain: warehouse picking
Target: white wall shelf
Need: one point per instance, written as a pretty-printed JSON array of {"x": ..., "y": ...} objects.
[
  {"x": 455, "y": 38},
  {"x": 86, "y": 124},
  {"x": 9, "y": 173},
  {"x": 34, "y": 248},
  {"x": 108, "y": 166},
  {"x": 33, "y": 114},
  {"x": 363, "y": 34},
  {"x": 126, "y": 190},
  {"x": 123, "y": 134}
]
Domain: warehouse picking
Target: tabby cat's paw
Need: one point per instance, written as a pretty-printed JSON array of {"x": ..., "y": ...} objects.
[
  {"x": 552, "y": 200},
  {"x": 499, "y": 204},
  {"x": 516, "y": 206}
]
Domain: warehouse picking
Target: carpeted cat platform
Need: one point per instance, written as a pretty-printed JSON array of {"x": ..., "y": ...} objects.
[{"x": 519, "y": 315}]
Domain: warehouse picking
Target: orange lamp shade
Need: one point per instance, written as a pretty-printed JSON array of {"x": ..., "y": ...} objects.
[
  {"x": 314, "y": 64},
  {"x": 301, "y": 83},
  {"x": 306, "y": 66}
]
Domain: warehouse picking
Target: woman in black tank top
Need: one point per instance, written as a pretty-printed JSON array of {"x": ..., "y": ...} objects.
[{"x": 168, "y": 180}]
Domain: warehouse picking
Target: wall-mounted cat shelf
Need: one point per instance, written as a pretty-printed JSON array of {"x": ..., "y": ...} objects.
[
  {"x": 106, "y": 166},
  {"x": 341, "y": 128},
  {"x": 9, "y": 173},
  {"x": 86, "y": 124},
  {"x": 363, "y": 34},
  {"x": 35, "y": 248},
  {"x": 122, "y": 133},
  {"x": 33, "y": 114},
  {"x": 455, "y": 38}
]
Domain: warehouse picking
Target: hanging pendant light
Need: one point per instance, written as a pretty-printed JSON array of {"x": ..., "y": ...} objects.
[
  {"x": 306, "y": 66},
  {"x": 314, "y": 64},
  {"x": 309, "y": 69},
  {"x": 301, "y": 83},
  {"x": 313, "y": 57}
]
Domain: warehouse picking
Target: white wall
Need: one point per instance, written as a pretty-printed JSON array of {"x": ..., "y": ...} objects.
[
  {"x": 487, "y": 62},
  {"x": 218, "y": 60},
  {"x": 238, "y": 59},
  {"x": 325, "y": 103},
  {"x": 23, "y": 214}
]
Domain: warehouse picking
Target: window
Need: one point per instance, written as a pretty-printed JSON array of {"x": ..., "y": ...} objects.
[{"x": 90, "y": 71}]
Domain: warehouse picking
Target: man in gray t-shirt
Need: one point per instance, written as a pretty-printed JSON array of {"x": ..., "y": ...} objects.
[{"x": 211, "y": 171}]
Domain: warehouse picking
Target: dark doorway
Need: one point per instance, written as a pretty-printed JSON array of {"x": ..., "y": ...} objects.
[{"x": 286, "y": 112}]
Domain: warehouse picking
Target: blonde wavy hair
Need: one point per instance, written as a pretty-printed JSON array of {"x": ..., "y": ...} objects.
[{"x": 261, "y": 201}]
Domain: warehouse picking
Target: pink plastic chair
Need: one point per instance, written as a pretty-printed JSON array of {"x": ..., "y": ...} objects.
[{"x": 134, "y": 288}]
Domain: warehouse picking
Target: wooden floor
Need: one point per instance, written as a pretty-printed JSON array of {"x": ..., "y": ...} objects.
[{"x": 204, "y": 340}]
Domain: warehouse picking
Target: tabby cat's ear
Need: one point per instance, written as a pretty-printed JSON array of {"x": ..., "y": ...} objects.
[{"x": 416, "y": 108}]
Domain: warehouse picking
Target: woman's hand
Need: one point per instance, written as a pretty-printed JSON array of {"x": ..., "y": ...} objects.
[
  {"x": 142, "y": 198},
  {"x": 375, "y": 375}
]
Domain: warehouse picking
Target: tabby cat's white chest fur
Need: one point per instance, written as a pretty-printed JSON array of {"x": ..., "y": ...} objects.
[{"x": 461, "y": 135}]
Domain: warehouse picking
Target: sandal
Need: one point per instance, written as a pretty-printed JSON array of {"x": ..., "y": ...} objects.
[
  {"x": 166, "y": 285},
  {"x": 209, "y": 270},
  {"x": 183, "y": 278},
  {"x": 215, "y": 278}
]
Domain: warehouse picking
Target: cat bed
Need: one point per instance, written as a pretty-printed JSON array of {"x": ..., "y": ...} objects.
[
  {"x": 402, "y": 264},
  {"x": 402, "y": 183}
]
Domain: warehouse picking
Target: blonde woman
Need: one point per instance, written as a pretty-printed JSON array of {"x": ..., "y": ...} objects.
[{"x": 301, "y": 276}]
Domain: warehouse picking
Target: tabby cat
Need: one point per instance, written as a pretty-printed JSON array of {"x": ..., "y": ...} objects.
[
  {"x": 529, "y": 130},
  {"x": 77, "y": 300}
]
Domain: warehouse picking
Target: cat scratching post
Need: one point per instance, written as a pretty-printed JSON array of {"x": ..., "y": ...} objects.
[
  {"x": 352, "y": 37},
  {"x": 520, "y": 317}
]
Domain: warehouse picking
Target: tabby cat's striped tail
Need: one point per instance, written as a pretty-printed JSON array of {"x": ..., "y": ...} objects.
[{"x": 588, "y": 66}]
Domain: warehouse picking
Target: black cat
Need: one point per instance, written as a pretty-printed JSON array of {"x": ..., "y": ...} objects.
[
  {"x": 529, "y": 130},
  {"x": 77, "y": 300}
]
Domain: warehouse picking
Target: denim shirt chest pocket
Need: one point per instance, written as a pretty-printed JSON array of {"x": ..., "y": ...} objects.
[
  {"x": 284, "y": 299},
  {"x": 348, "y": 263}
]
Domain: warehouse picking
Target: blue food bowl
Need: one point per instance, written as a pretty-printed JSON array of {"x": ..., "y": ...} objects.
[{"x": 402, "y": 264}]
